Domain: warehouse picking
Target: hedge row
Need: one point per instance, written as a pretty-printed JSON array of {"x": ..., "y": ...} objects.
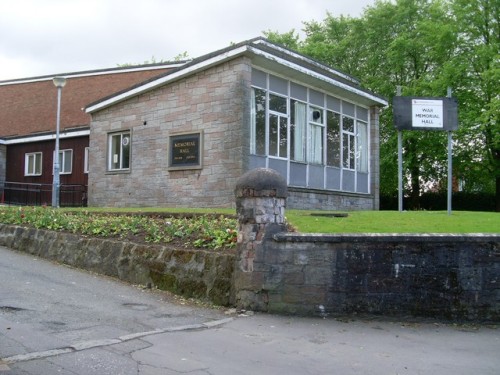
[{"x": 461, "y": 201}]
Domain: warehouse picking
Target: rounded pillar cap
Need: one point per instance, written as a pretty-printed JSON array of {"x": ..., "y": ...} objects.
[{"x": 261, "y": 182}]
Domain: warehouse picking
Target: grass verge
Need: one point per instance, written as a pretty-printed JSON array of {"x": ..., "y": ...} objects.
[{"x": 396, "y": 222}]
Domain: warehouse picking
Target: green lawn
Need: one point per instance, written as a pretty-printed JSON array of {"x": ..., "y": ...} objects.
[
  {"x": 356, "y": 221},
  {"x": 370, "y": 221},
  {"x": 397, "y": 222}
]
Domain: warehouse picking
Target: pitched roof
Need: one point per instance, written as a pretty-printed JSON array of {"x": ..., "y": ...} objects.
[
  {"x": 28, "y": 106},
  {"x": 263, "y": 53}
]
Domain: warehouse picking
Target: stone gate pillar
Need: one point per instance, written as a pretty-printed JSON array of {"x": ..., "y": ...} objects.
[{"x": 260, "y": 205}]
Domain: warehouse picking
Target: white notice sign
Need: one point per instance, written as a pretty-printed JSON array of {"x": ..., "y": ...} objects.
[{"x": 427, "y": 113}]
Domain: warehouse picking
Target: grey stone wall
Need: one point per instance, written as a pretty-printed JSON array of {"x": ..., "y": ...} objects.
[
  {"x": 214, "y": 101},
  {"x": 199, "y": 274},
  {"x": 308, "y": 199},
  {"x": 440, "y": 276}
]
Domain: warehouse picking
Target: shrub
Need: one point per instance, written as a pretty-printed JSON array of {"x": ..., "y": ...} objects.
[{"x": 199, "y": 231}]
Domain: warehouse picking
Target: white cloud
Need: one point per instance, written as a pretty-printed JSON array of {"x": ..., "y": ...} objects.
[{"x": 57, "y": 36}]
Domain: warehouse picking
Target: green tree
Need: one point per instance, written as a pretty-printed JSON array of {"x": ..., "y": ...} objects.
[
  {"x": 424, "y": 46},
  {"x": 288, "y": 40},
  {"x": 474, "y": 71},
  {"x": 180, "y": 57},
  {"x": 404, "y": 43}
]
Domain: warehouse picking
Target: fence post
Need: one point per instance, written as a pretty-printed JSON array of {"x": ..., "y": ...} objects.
[{"x": 260, "y": 205}]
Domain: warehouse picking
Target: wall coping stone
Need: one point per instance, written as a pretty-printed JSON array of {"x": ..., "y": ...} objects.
[{"x": 385, "y": 237}]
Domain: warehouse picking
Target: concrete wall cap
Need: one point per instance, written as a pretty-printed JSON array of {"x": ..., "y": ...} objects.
[{"x": 262, "y": 179}]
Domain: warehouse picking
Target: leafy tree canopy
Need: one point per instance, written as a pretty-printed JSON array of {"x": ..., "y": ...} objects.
[{"x": 424, "y": 46}]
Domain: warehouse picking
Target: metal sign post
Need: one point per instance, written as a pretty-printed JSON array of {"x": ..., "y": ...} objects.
[
  {"x": 400, "y": 170},
  {"x": 419, "y": 113},
  {"x": 450, "y": 166},
  {"x": 400, "y": 162}
]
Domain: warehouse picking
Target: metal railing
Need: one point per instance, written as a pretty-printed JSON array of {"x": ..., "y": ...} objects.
[{"x": 27, "y": 194}]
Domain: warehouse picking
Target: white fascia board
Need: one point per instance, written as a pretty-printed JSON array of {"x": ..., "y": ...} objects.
[
  {"x": 90, "y": 74},
  {"x": 168, "y": 78},
  {"x": 309, "y": 61},
  {"x": 319, "y": 76},
  {"x": 226, "y": 56},
  {"x": 47, "y": 137}
]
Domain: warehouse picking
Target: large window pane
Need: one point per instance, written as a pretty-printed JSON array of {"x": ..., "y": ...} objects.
[
  {"x": 333, "y": 139},
  {"x": 258, "y": 131},
  {"x": 283, "y": 151},
  {"x": 345, "y": 150},
  {"x": 316, "y": 144},
  {"x": 277, "y": 104},
  {"x": 362, "y": 145},
  {"x": 298, "y": 131},
  {"x": 348, "y": 151},
  {"x": 352, "y": 152},
  {"x": 273, "y": 135},
  {"x": 347, "y": 124},
  {"x": 315, "y": 135}
]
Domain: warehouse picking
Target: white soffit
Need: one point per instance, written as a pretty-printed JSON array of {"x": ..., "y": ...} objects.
[
  {"x": 47, "y": 137},
  {"x": 91, "y": 73}
]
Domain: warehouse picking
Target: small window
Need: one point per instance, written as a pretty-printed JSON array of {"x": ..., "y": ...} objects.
[
  {"x": 119, "y": 151},
  {"x": 86, "y": 161},
  {"x": 65, "y": 161},
  {"x": 33, "y": 164}
]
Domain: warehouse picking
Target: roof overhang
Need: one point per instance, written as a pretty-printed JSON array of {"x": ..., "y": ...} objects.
[
  {"x": 46, "y": 137},
  {"x": 294, "y": 67},
  {"x": 299, "y": 73},
  {"x": 175, "y": 75},
  {"x": 99, "y": 72}
]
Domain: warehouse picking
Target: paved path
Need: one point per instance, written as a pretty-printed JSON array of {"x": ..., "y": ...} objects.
[{"x": 58, "y": 320}]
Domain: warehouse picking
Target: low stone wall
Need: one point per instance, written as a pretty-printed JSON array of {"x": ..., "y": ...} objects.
[
  {"x": 453, "y": 277},
  {"x": 440, "y": 276},
  {"x": 199, "y": 274}
]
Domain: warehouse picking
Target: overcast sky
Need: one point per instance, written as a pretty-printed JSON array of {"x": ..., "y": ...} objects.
[{"x": 44, "y": 37}]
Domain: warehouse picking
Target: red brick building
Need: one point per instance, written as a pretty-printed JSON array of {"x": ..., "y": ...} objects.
[{"x": 28, "y": 127}]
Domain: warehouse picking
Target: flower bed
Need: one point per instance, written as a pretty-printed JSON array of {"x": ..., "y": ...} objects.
[{"x": 212, "y": 232}]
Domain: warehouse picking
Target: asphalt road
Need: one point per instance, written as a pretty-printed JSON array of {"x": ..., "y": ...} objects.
[{"x": 58, "y": 320}]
